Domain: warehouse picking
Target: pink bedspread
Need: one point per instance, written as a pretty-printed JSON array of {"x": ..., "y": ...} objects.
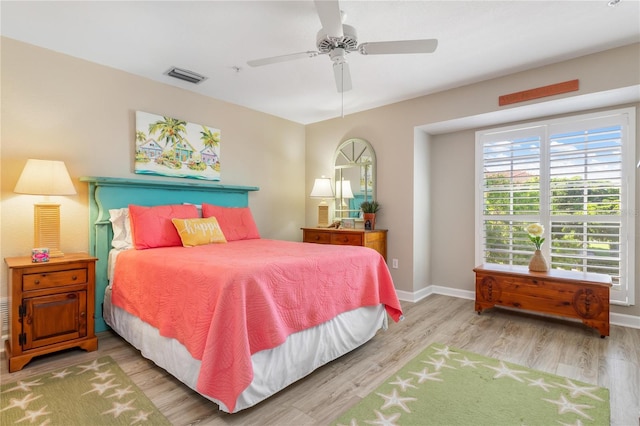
[{"x": 224, "y": 302}]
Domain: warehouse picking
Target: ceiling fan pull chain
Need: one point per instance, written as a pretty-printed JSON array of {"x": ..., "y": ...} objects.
[{"x": 342, "y": 91}]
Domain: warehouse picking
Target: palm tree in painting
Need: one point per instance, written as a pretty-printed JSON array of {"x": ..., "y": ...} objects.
[
  {"x": 141, "y": 137},
  {"x": 171, "y": 130},
  {"x": 209, "y": 138}
]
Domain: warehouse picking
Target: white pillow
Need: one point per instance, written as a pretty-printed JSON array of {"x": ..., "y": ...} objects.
[
  {"x": 198, "y": 206},
  {"x": 121, "y": 228}
]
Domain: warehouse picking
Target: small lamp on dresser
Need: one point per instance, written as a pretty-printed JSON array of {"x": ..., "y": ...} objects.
[
  {"x": 322, "y": 189},
  {"x": 46, "y": 177},
  {"x": 344, "y": 192}
]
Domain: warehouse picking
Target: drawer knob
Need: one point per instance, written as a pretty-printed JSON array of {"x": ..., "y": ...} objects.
[
  {"x": 75, "y": 277},
  {"x": 317, "y": 237},
  {"x": 82, "y": 314},
  {"x": 36, "y": 282}
]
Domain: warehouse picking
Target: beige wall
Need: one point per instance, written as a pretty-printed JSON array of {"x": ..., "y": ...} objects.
[
  {"x": 58, "y": 107},
  {"x": 448, "y": 121}
]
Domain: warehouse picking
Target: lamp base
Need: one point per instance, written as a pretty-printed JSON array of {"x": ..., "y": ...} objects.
[
  {"x": 46, "y": 228},
  {"x": 323, "y": 215}
]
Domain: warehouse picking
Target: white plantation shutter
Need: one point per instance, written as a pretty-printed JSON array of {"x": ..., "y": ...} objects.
[{"x": 575, "y": 176}]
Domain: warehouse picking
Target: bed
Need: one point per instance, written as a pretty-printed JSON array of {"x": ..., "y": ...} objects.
[{"x": 256, "y": 315}]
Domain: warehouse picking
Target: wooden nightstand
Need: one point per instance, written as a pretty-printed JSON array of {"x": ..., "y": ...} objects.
[
  {"x": 51, "y": 306},
  {"x": 376, "y": 239}
]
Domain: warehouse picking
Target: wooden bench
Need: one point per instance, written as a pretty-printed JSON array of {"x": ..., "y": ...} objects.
[{"x": 579, "y": 295}]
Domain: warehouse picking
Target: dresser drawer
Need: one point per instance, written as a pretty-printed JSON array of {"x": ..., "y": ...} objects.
[
  {"x": 317, "y": 237},
  {"x": 347, "y": 239},
  {"x": 53, "y": 279}
]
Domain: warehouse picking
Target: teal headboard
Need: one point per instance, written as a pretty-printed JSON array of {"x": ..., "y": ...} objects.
[{"x": 112, "y": 193}]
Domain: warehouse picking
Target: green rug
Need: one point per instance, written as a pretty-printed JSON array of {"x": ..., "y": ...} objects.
[
  {"x": 446, "y": 386},
  {"x": 94, "y": 393}
]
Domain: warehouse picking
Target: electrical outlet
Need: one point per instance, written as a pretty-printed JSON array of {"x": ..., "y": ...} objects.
[{"x": 394, "y": 263}]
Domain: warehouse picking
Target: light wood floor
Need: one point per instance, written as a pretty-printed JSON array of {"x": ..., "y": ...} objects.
[{"x": 556, "y": 346}]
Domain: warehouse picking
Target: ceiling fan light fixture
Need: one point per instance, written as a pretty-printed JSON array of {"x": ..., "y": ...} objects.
[
  {"x": 348, "y": 41},
  {"x": 185, "y": 75}
]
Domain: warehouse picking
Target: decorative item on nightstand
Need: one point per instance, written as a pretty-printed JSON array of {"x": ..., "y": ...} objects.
[
  {"x": 538, "y": 262},
  {"x": 322, "y": 189},
  {"x": 45, "y": 177},
  {"x": 369, "y": 209}
]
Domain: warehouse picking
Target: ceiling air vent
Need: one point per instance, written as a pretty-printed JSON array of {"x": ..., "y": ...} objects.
[{"x": 186, "y": 75}]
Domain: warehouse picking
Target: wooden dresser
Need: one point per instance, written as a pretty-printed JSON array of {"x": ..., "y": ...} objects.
[
  {"x": 376, "y": 239},
  {"x": 51, "y": 306},
  {"x": 579, "y": 295}
]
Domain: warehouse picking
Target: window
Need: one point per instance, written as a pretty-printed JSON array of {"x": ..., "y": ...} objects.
[{"x": 575, "y": 176}]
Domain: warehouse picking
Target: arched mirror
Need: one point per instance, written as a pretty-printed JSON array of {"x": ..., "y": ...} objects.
[{"x": 354, "y": 176}]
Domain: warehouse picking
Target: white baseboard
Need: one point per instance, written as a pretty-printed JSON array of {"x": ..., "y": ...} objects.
[{"x": 622, "y": 320}]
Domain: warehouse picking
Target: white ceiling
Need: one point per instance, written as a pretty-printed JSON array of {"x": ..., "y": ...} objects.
[{"x": 478, "y": 40}]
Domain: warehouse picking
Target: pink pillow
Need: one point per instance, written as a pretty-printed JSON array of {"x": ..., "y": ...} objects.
[
  {"x": 152, "y": 227},
  {"x": 236, "y": 222}
]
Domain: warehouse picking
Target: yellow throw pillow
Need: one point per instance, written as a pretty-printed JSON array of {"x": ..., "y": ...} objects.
[{"x": 197, "y": 232}]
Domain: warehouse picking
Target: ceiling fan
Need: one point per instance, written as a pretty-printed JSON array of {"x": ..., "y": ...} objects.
[{"x": 337, "y": 39}]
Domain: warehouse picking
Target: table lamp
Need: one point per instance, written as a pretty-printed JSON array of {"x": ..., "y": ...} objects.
[
  {"x": 44, "y": 177},
  {"x": 344, "y": 193},
  {"x": 322, "y": 189}
]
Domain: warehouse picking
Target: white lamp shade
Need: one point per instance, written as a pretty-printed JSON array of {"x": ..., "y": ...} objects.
[
  {"x": 322, "y": 188},
  {"x": 45, "y": 177},
  {"x": 344, "y": 189}
]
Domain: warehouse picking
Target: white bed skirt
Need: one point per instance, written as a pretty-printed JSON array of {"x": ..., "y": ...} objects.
[{"x": 273, "y": 369}]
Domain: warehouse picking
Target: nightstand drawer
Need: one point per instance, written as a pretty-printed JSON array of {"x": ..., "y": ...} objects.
[
  {"x": 317, "y": 237},
  {"x": 375, "y": 239},
  {"x": 347, "y": 239},
  {"x": 53, "y": 279}
]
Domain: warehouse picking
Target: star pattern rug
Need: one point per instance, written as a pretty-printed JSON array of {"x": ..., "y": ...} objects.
[
  {"x": 93, "y": 393},
  {"x": 448, "y": 386}
]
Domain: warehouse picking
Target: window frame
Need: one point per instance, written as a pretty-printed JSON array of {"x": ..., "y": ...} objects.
[{"x": 624, "y": 294}]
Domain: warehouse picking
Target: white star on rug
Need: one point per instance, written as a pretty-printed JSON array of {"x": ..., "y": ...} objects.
[
  {"x": 61, "y": 374},
  {"x": 104, "y": 375},
  {"x": 395, "y": 400},
  {"x": 424, "y": 375},
  {"x": 119, "y": 408},
  {"x": 404, "y": 384},
  {"x": 466, "y": 362},
  {"x": 140, "y": 417},
  {"x": 24, "y": 386},
  {"x": 384, "y": 421},
  {"x": 540, "y": 383},
  {"x": 102, "y": 387},
  {"x": 438, "y": 363},
  {"x": 445, "y": 352},
  {"x": 22, "y": 403},
  {"x": 577, "y": 390},
  {"x": 32, "y": 416},
  {"x": 504, "y": 371},
  {"x": 94, "y": 366},
  {"x": 119, "y": 393},
  {"x": 565, "y": 406}
]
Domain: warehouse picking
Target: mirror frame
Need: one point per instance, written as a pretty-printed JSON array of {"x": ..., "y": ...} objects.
[{"x": 352, "y": 152}]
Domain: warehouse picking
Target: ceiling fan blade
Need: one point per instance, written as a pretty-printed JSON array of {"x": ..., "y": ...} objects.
[
  {"x": 342, "y": 75},
  {"x": 330, "y": 17},
  {"x": 281, "y": 58},
  {"x": 400, "y": 46}
]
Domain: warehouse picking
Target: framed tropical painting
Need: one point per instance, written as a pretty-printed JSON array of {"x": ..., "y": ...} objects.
[{"x": 172, "y": 147}]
